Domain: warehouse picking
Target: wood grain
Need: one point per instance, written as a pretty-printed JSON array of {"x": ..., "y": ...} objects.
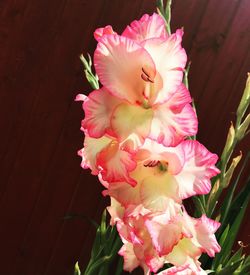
[{"x": 40, "y": 74}]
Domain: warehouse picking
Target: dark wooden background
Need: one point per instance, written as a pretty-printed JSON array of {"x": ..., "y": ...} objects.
[{"x": 40, "y": 75}]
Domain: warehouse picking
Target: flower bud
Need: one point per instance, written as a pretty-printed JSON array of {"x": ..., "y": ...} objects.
[
  {"x": 230, "y": 171},
  {"x": 243, "y": 128},
  {"x": 245, "y": 100},
  {"x": 229, "y": 142}
]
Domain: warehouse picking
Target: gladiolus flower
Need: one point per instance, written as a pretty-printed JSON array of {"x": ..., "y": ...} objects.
[
  {"x": 141, "y": 72},
  {"x": 152, "y": 239},
  {"x": 167, "y": 175}
]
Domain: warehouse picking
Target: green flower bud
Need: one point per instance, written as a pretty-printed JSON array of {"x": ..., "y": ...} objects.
[
  {"x": 245, "y": 100},
  {"x": 243, "y": 128}
]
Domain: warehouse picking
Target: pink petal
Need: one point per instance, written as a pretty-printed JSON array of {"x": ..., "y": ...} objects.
[
  {"x": 170, "y": 127},
  {"x": 154, "y": 263},
  {"x": 130, "y": 260},
  {"x": 205, "y": 235},
  {"x": 145, "y": 28},
  {"x": 92, "y": 147},
  {"x": 100, "y": 32},
  {"x": 170, "y": 60},
  {"x": 81, "y": 97},
  {"x": 199, "y": 167},
  {"x": 119, "y": 62},
  {"x": 179, "y": 98},
  {"x": 116, "y": 164},
  {"x": 116, "y": 211},
  {"x": 164, "y": 236},
  {"x": 98, "y": 110}
]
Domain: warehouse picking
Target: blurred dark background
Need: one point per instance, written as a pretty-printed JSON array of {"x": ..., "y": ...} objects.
[{"x": 40, "y": 74}]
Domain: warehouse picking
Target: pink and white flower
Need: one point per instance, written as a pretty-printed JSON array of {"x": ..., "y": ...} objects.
[
  {"x": 166, "y": 175},
  {"x": 141, "y": 72},
  {"x": 152, "y": 239}
]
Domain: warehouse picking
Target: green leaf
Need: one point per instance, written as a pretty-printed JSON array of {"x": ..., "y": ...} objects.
[
  {"x": 96, "y": 248},
  {"x": 97, "y": 264},
  {"x": 235, "y": 258},
  {"x": 119, "y": 267},
  {"x": 226, "y": 249},
  {"x": 226, "y": 205},
  {"x": 103, "y": 226},
  {"x": 237, "y": 203},
  {"x": 245, "y": 268},
  {"x": 199, "y": 207},
  {"x": 216, "y": 260},
  {"x": 229, "y": 269}
]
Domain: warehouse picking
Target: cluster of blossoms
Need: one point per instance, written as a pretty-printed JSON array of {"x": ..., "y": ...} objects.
[{"x": 136, "y": 130}]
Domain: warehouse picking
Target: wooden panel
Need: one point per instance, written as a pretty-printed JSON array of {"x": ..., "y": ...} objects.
[{"x": 40, "y": 74}]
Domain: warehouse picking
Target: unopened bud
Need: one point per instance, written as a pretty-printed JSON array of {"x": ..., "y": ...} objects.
[
  {"x": 243, "y": 128},
  {"x": 229, "y": 142},
  {"x": 245, "y": 100},
  {"x": 230, "y": 171}
]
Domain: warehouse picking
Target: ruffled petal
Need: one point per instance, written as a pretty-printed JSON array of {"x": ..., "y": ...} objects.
[
  {"x": 202, "y": 233},
  {"x": 128, "y": 119},
  {"x": 154, "y": 262},
  {"x": 98, "y": 108},
  {"x": 170, "y": 127},
  {"x": 170, "y": 60},
  {"x": 92, "y": 147},
  {"x": 199, "y": 167},
  {"x": 115, "y": 210},
  {"x": 100, "y": 32},
  {"x": 119, "y": 63},
  {"x": 183, "y": 253},
  {"x": 179, "y": 98},
  {"x": 206, "y": 228},
  {"x": 164, "y": 236},
  {"x": 115, "y": 164},
  {"x": 130, "y": 260},
  {"x": 147, "y": 27}
]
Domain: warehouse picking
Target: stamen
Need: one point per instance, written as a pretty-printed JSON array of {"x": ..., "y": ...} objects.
[
  {"x": 145, "y": 76},
  {"x": 151, "y": 163}
]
